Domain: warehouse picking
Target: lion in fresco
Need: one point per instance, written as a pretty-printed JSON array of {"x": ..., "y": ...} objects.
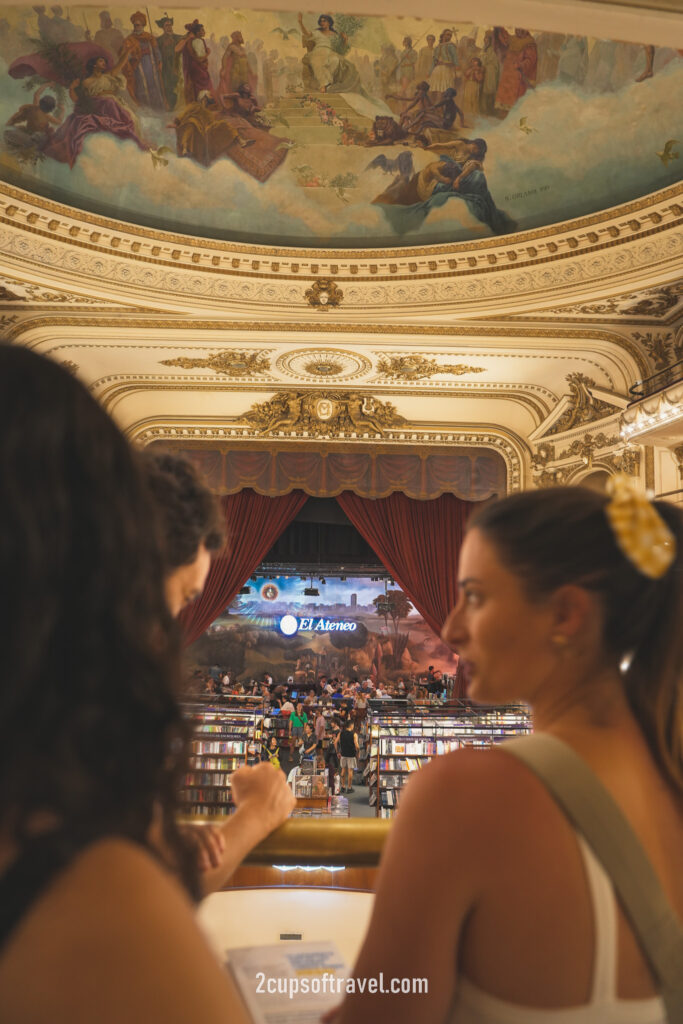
[{"x": 386, "y": 131}]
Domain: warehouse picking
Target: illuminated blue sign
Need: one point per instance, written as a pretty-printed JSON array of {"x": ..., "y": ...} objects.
[{"x": 291, "y": 624}]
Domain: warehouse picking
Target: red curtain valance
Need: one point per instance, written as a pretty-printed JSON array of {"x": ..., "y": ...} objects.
[{"x": 473, "y": 474}]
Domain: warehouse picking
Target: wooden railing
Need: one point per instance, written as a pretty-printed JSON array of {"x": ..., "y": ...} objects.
[{"x": 357, "y": 842}]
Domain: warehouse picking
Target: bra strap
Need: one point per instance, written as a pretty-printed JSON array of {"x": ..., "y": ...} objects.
[
  {"x": 592, "y": 810},
  {"x": 604, "y": 987}
]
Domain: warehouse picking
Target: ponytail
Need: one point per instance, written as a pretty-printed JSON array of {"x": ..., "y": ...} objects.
[
  {"x": 654, "y": 680},
  {"x": 550, "y": 538}
]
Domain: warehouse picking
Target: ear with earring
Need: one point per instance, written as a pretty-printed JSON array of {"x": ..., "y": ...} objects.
[
  {"x": 626, "y": 661},
  {"x": 560, "y": 641}
]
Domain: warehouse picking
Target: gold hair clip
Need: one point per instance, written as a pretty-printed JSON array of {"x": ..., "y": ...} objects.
[{"x": 639, "y": 530}]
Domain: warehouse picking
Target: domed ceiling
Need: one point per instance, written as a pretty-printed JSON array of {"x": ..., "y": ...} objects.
[{"x": 331, "y": 130}]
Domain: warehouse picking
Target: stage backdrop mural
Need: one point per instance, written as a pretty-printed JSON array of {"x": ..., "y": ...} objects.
[
  {"x": 353, "y": 627},
  {"x": 329, "y": 129}
]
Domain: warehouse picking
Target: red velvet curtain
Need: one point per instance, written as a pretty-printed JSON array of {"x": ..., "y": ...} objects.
[
  {"x": 253, "y": 522},
  {"x": 418, "y": 542}
]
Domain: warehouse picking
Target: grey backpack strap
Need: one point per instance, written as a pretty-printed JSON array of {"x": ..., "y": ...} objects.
[{"x": 588, "y": 805}]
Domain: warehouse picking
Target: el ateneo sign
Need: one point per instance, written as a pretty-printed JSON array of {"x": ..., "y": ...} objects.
[{"x": 291, "y": 624}]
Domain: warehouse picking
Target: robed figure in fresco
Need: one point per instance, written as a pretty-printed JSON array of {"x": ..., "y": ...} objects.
[
  {"x": 457, "y": 174},
  {"x": 207, "y": 131},
  {"x": 235, "y": 68},
  {"x": 142, "y": 69},
  {"x": 108, "y": 36},
  {"x": 325, "y": 67},
  {"x": 170, "y": 61},
  {"x": 491, "y": 66},
  {"x": 195, "y": 63},
  {"x": 100, "y": 105},
  {"x": 518, "y": 57},
  {"x": 445, "y": 73}
]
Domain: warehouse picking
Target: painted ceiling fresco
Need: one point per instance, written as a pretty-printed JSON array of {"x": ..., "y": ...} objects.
[{"x": 327, "y": 129}]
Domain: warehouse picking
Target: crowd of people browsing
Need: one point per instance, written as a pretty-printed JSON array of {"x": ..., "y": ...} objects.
[
  {"x": 432, "y": 686},
  {"x": 325, "y": 736}
]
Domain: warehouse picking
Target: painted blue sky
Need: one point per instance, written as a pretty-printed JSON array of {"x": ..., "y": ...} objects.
[{"x": 290, "y": 591}]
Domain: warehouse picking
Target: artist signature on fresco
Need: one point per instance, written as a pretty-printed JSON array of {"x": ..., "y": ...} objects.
[{"x": 529, "y": 192}]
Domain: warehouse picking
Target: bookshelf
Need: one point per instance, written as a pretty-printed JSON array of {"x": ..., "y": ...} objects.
[
  {"x": 401, "y": 742},
  {"x": 223, "y": 740}
]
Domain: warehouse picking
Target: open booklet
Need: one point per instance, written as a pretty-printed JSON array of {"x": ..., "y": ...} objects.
[{"x": 290, "y": 982}]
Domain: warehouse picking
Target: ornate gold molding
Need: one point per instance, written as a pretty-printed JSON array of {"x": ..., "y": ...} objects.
[
  {"x": 14, "y": 199},
  {"x": 230, "y": 362},
  {"x": 14, "y": 291},
  {"x": 655, "y": 303},
  {"x": 584, "y": 447},
  {"x": 324, "y": 294},
  {"x": 113, "y": 388},
  {"x": 418, "y": 367},
  {"x": 583, "y": 406},
  {"x": 323, "y": 363},
  {"x": 678, "y": 455},
  {"x": 326, "y": 414},
  {"x": 663, "y": 349},
  {"x": 124, "y": 263},
  {"x": 471, "y": 331},
  {"x": 413, "y": 437}
]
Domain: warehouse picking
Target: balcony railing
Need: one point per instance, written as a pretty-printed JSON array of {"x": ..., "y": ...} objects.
[
  {"x": 675, "y": 497},
  {"x": 657, "y": 382},
  {"x": 352, "y": 843}
]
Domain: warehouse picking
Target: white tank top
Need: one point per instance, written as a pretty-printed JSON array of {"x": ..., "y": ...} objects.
[{"x": 474, "y": 1006}]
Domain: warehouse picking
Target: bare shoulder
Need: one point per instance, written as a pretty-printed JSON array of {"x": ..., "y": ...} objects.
[
  {"x": 476, "y": 797},
  {"x": 116, "y": 939},
  {"x": 469, "y": 777}
]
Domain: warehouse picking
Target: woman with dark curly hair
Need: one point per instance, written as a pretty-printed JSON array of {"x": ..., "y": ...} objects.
[
  {"x": 92, "y": 743},
  {"x": 191, "y": 525},
  {"x": 192, "y": 530}
]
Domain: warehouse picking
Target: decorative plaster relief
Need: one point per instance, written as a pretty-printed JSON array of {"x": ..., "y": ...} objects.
[
  {"x": 662, "y": 348},
  {"x": 583, "y": 406},
  {"x": 654, "y": 303},
  {"x": 12, "y": 290},
  {"x": 230, "y": 362},
  {"x": 323, "y": 414},
  {"x": 418, "y": 367},
  {"x": 325, "y": 363},
  {"x": 511, "y": 448},
  {"x": 624, "y": 242}
]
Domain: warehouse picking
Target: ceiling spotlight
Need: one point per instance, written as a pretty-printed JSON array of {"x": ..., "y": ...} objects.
[
  {"x": 311, "y": 591},
  {"x": 323, "y": 580}
]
